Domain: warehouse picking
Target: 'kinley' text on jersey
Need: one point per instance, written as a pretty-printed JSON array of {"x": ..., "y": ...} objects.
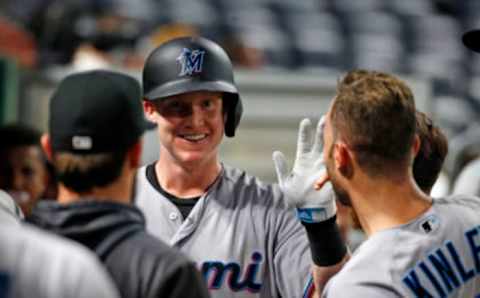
[{"x": 444, "y": 268}]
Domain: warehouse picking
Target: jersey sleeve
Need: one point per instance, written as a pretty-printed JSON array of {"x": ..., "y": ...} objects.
[{"x": 292, "y": 259}]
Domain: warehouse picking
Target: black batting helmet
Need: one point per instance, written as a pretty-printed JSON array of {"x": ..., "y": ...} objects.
[{"x": 192, "y": 64}]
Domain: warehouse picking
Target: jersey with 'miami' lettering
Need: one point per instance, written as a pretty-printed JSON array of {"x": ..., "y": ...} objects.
[{"x": 242, "y": 236}]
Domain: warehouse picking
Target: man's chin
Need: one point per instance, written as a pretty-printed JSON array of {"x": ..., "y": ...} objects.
[
  {"x": 191, "y": 157},
  {"x": 21, "y": 197}
]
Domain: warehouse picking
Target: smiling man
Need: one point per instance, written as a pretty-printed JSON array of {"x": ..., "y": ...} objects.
[
  {"x": 240, "y": 231},
  {"x": 23, "y": 167}
]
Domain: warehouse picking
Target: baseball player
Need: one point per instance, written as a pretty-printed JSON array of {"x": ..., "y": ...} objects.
[
  {"x": 240, "y": 231},
  {"x": 416, "y": 246},
  {"x": 428, "y": 162},
  {"x": 427, "y": 166},
  {"x": 96, "y": 167}
]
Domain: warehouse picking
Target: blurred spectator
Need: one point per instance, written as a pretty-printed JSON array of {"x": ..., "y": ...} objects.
[
  {"x": 158, "y": 35},
  {"x": 242, "y": 54},
  {"x": 52, "y": 22},
  {"x": 433, "y": 149},
  {"x": 23, "y": 168},
  {"x": 60, "y": 27},
  {"x": 17, "y": 43}
]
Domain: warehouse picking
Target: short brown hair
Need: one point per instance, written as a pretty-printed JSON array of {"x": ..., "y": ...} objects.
[
  {"x": 433, "y": 150},
  {"x": 82, "y": 172},
  {"x": 374, "y": 113}
]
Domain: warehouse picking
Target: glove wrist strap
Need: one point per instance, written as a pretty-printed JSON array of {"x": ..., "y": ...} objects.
[{"x": 316, "y": 214}]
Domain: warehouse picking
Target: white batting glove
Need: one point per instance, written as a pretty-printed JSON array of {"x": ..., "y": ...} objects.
[{"x": 298, "y": 186}]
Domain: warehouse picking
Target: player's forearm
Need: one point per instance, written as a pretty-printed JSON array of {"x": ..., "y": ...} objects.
[
  {"x": 328, "y": 249},
  {"x": 322, "y": 274},
  {"x": 326, "y": 243}
]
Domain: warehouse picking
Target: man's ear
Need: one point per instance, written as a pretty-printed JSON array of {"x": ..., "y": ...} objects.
[
  {"x": 46, "y": 146},
  {"x": 343, "y": 159},
  {"x": 149, "y": 109},
  {"x": 417, "y": 143},
  {"x": 340, "y": 155}
]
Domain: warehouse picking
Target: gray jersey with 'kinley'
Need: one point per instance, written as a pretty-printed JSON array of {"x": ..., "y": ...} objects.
[
  {"x": 244, "y": 239},
  {"x": 435, "y": 255}
]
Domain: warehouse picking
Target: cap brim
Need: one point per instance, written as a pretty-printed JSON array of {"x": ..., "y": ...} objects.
[
  {"x": 471, "y": 40},
  {"x": 189, "y": 85}
]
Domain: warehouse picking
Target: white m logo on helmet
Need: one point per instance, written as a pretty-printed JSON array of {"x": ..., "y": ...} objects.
[{"x": 191, "y": 61}]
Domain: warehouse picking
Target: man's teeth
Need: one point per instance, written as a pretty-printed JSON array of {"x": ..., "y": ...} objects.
[{"x": 194, "y": 137}]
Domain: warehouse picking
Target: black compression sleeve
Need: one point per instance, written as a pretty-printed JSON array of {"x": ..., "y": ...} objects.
[{"x": 326, "y": 244}]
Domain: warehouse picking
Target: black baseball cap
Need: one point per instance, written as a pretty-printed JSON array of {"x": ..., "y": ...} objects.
[
  {"x": 96, "y": 112},
  {"x": 471, "y": 40}
]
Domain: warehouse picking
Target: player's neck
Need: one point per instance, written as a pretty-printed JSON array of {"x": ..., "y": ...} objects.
[
  {"x": 185, "y": 181},
  {"x": 119, "y": 191},
  {"x": 388, "y": 204}
]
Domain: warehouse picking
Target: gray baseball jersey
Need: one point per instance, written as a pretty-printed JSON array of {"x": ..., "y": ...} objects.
[
  {"x": 244, "y": 239},
  {"x": 34, "y": 263},
  {"x": 435, "y": 255}
]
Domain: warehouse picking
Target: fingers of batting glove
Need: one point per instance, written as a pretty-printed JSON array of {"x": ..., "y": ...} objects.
[
  {"x": 281, "y": 167},
  {"x": 318, "y": 142},
  {"x": 304, "y": 142}
]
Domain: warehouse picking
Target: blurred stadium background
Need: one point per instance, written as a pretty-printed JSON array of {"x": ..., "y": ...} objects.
[{"x": 288, "y": 56}]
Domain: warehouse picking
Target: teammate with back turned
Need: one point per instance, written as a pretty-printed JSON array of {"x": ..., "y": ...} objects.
[
  {"x": 416, "y": 246},
  {"x": 240, "y": 231},
  {"x": 96, "y": 165}
]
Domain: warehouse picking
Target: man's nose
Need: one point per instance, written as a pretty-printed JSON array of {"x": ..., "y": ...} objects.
[{"x": 197, "y": 116}]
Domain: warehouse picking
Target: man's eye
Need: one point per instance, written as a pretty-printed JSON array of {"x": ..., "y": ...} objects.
[
  {"x": 207, "y": 103},
  {"x": 174, "y": 105}
]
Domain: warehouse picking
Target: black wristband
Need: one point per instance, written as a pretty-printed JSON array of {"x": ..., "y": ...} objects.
[{"x": 326, "y": 243}]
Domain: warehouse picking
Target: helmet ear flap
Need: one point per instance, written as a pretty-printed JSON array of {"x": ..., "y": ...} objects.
[{"x": 234, "y": 107}]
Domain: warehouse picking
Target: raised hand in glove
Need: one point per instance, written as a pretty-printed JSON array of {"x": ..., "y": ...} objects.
[{"x": 299, "y": 185}]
